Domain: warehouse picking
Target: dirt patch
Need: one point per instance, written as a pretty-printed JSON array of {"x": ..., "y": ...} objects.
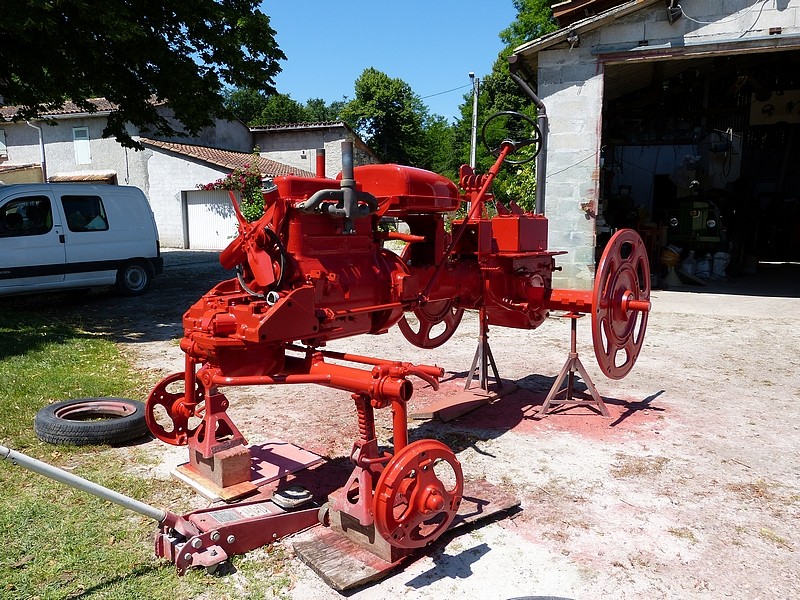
[{"x": 691, "y": 489}]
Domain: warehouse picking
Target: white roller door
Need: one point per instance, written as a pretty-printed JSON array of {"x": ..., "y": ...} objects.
[{"x": 211, "y": 222}]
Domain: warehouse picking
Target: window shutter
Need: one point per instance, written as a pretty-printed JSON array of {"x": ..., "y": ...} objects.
[{"x": 80, "y": 140}]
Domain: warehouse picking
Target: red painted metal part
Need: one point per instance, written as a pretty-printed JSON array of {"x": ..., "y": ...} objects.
[
  {"x": 418, "y": 494},
  {"x": 619, "y": 303}
]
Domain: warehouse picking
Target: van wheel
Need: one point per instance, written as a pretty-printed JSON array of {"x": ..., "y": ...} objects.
[
  {"x": 134, "y": 278},
  {"x": 91, "y": 421}
]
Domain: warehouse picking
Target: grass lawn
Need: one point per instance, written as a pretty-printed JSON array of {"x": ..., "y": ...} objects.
[{"x": 56, "y": 542}]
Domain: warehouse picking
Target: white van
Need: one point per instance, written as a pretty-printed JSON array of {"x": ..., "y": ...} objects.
[{"x": 63, "y": 235}]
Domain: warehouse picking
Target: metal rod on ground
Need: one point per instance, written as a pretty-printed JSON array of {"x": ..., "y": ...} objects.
[{"x": 82, "y": 484}]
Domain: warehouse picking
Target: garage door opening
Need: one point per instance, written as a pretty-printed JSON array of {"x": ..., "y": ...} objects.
[{"x": 703, "y": 154}]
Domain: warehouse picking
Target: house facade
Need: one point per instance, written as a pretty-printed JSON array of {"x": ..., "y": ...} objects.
[
  {"x": 70, "y": 147},
  {"x": 297, "y": 144},
  {"x": 677, "y": 119}
]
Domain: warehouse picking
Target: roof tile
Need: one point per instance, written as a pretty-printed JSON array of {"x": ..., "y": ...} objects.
[{"x": 227, "y": 158}]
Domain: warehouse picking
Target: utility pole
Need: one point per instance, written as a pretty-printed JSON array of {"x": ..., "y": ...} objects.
[{"x": 476, "y": 82}]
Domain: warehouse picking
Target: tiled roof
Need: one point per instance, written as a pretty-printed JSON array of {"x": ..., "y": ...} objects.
[
  {"x": 568, "y": 12},
  {"x": 288, "y": 126},
  {"x": 227, "y": 158},
  {"x": 20, "y": 167},
  {"x": 68, "y": 108}
]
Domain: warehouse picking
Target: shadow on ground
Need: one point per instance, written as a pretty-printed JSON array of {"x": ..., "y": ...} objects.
[{"x": 154, "y": 316}]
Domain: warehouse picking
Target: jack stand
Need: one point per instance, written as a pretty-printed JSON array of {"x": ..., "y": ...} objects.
[
  {"x": 483, "y": 359},
  {"x": 568, "y": 372}
]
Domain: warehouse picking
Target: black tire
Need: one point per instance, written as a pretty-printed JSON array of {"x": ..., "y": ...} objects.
[
  {"x": 134, "y": 277},
  {"x": 87, "y": 421}
]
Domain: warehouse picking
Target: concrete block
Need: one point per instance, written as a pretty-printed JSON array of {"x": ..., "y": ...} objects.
[{"x": 225, "y": 468}]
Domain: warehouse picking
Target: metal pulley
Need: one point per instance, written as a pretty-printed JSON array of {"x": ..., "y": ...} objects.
[{"x": 619, "y": 303}]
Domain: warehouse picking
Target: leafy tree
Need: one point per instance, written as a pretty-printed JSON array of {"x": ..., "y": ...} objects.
[
  {"x": 245, "y": 103},
  {"x": 280, "y": 109},
  {"x": 498, "y": 93},
  {"x": 183, "y": 52},
  {"x": 439, "y": 141},
  {"x": 534, "y": 19},
  {"x": 318, "y": 111},
  {"x": 389, "y": 115}
]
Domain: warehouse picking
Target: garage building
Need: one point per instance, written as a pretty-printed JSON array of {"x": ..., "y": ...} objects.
[{"x": 681, "y": 121}]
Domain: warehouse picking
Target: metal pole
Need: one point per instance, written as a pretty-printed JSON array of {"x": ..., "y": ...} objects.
[
  {"x": 473, "y": 143},
  {"x": 82, "y": 484},
  {"x": 42, "y": 158}
]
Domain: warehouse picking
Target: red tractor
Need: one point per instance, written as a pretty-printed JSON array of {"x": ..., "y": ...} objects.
[{"x": 314, "y": 269}]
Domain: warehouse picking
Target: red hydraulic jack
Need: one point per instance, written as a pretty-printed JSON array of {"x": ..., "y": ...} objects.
[{"x": 204, "y": 538}]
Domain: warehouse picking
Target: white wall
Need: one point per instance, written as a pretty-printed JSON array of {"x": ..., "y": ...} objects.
[
  {"x": 168, "y": 176},
  {"x": 297, "y": 148},
  {"x": 572, "y": 90},
  {"x": 106, "y": 154}
]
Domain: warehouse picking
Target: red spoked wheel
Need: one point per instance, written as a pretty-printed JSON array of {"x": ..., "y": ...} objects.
[
  {"x": 167, "y": 412},
  {"x": 418, "y": 494},
  {"x": 621, "y": 303},
  {"x": 436, "y": 323}
]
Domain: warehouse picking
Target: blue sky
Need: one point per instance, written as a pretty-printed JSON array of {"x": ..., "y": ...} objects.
[{"x": 432, "y": 45}]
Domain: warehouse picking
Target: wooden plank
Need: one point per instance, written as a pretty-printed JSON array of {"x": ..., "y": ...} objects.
[
  {"x": 344, "y": 565},
  {"x": 451, "y": 407},
  {"x": 268, "y": 462}
]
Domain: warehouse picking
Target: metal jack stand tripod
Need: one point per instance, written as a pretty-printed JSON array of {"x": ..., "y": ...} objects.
[
  {"x": 568, "y": 372},
  {"x": 483, "y": 359}
]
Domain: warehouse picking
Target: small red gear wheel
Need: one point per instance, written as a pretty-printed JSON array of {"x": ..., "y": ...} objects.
[
  {"x": 172, "y": 424},
  {"x": 418, "y": 494}
]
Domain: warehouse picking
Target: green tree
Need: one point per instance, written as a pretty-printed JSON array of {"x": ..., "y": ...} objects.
[
  {"x": 245, "y": 103},
  {"x": 534, "y": 19},
  {"x": 389, "y": 116},
  {"x": 439, "y": 142},
  {"x": 184, "y": 52},
  {"x": 498, "y": 92},
  {"x": 280, "y": 109},
  {"x": 318, "y": 111}
]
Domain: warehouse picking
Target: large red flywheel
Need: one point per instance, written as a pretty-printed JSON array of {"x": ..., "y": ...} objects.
[
  {"x": 620, "y": 303},
  {"x": 418, "y": 494}
]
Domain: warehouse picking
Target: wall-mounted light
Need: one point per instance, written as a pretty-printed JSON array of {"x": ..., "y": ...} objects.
[
  {"x": 674, "y": 11},
  {"x": 573, "y": 39}
]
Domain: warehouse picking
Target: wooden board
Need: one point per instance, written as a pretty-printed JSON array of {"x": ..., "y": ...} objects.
[
  {"x": 344, "y": 565},
  {"x": 268, "y": 462},
  {"x": 451, "y": 407}
]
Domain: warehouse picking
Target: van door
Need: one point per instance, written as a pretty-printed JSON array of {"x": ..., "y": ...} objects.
[
  {"x": 32, "y": 251},
  {"x": 90, "y": 244}
]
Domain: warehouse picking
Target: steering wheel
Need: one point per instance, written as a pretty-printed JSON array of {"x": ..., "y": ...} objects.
[{"x": 519, "y": 121}]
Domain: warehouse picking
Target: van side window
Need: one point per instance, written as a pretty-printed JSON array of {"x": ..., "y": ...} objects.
[
  {"x": 30, "y": 215},
  {"x": 85, "y": 213}
]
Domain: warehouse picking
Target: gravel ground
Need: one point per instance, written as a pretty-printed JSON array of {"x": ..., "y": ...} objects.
[{"x": 691, "y": 489}]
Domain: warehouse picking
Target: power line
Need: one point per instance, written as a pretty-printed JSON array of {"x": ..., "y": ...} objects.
[{"x": 446, "y": 91}]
